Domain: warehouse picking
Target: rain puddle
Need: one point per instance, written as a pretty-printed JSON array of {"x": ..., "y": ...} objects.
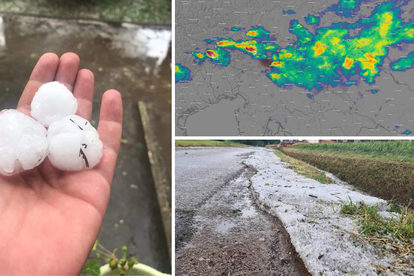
[
  {"x": 246, "y": 213},
  {"x": 225, "y": 226},
  {"x": 136, "y": 60},
  {"x": 2, "y": 36}
]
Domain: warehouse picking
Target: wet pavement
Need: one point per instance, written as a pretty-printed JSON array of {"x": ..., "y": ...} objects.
[
  {"x": 138, "y": 11},
  {"x": 132, "y": 59},
  {"x": 219, "y": 229},
  {"x": 220, "y": 164}
]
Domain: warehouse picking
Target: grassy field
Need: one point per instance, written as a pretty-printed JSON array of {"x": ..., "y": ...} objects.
[
  {"x": 304, "y": 168},
  {"x": 137, "y": 11},
  {"x": 401, "y": 151},
  {"x": 206, "y": 143},
  {"x": 382, "y": 169}
]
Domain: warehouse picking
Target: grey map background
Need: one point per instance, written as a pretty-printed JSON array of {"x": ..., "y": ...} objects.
[{"x": 247, "y": 103}]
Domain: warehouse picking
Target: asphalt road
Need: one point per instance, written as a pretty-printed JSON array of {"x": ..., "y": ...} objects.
[
  {"x": 219, "y": 229},
  {"x": 200, "y": 172}
]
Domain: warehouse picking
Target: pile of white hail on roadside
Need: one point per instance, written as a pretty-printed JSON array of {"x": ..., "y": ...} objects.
[{"x": 70, "y": 142}]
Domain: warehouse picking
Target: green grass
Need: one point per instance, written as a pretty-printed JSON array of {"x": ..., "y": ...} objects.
[
  {"x": 390, "y": 180},
  {"x": 394, "y": 235},
  {"x": 372, "y": 224},
  {"x": 206, "y": 143},
  {"x": 304, "y": 168},
  {"x": 400, "y": 151},
  {"x": 396, "y": 208},
  {"x": 349, "y": 208},
  {"x": 137, "y": 11}
]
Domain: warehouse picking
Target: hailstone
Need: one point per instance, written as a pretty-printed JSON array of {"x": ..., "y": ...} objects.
[
  {"x": 53, "y": 102},
  {"x": 74, "y": 144},
  {"x": 23, "y": 142}
]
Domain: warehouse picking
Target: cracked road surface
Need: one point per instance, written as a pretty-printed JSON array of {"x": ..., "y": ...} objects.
[{"x": 219, "y": 230}]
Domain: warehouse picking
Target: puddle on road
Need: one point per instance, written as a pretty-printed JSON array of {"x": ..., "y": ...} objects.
[
  {"x": 2, "y": 36},
  {"x": 132, "y": 59},
  {"x": 246, "y": 213},
  {"x": 225, "y": 226}
]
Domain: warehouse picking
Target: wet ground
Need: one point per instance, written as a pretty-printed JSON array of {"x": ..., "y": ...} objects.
[
  {"x": 219, "y": 164},
  {"x": 138, "y": 11},
  {"x": 135, "y": 61},
  {"x": 219, "y": 229}
]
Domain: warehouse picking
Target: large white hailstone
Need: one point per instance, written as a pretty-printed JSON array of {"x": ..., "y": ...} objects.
[
  {"x": 74, "y": 144},
  {"x": 53, "y": 102},
  {"x": 23, "y": 142}
]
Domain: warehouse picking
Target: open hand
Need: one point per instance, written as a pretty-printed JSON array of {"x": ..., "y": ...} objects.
[{"x": 49, "y": 219}]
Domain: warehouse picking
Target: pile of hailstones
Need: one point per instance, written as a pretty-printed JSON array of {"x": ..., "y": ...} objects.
[{"x": 70, "y": 142}]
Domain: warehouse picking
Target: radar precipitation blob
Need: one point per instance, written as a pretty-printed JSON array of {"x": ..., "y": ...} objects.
[
  {"x": 182, "y": 73},
  {"x": 329, "y": 58},
  {"x": 329, "y": 55},
  {"x": 312, "y": 20}
]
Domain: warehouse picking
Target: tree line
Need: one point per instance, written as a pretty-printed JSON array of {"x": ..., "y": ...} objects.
[{"x": 256, "y": 143}]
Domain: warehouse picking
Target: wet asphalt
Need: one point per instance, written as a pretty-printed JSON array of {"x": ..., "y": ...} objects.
[
  {"x": 200, "y": 172},
  {"x": 219, "y": 229}
]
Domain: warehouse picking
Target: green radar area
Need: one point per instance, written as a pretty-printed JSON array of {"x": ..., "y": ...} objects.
[
  {"x": 312, "y": 20},
  {"x": 331, "y": 56},
  {"x": 403, "y": 63},
  {"x": 182, "y": 73}
]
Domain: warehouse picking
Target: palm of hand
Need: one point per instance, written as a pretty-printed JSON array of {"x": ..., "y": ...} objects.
[{"x": 49, "y": 219}]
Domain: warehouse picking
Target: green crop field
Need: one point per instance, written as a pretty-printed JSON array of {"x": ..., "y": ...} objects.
[
  {"x": 380, "y": 168},
  {"x": 402, "y": 151}
]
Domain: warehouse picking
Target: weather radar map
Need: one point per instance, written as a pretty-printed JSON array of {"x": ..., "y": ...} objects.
[{"x": 294, "y": 68}]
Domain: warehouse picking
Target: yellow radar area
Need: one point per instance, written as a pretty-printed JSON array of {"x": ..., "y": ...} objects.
[
  {"x": 319, "y": 48},
  {"x": 340, "y": 54},
  {"x": 348, "y": 63}
]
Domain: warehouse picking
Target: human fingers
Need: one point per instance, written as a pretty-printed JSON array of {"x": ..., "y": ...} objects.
[
  {"x": 83, "y": 92},
  {"x": 110, "y": 132},
  {"x": 67, "y": 70},
  {"x": 43, "y": 72}
]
